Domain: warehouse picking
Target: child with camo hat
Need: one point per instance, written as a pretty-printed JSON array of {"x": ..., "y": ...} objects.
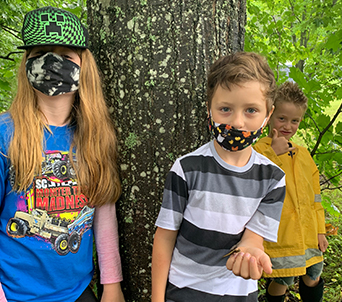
[{"x": 58, "y": 173}]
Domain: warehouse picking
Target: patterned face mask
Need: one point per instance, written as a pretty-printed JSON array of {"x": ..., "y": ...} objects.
[
  {"x": 232, "y": 139},
  {"x": 52, "y": 74}
]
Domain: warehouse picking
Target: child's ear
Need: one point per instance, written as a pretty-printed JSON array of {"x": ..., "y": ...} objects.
[{"x": 208, "y": 109}]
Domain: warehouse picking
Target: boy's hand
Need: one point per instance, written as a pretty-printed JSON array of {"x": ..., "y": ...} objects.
[
  {"x": 249, "y": 263},
  {"x": 322, "y": 242},
  {"x": 280, "y": 144}
]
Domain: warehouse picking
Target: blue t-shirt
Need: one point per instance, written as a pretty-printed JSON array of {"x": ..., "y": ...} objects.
[{"x": 46, "y": 236}]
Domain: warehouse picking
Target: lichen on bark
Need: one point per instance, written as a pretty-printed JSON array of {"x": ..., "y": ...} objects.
[{"x": 154, "y": 57}]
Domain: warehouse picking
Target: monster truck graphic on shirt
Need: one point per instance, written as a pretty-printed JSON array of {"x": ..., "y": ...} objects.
[
  {"x": 54, "y": 207},
  {"x": 56, "y": 165},
  {"x": 64, "y": 235}
]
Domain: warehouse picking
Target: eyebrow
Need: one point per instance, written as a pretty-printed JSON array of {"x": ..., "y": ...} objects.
[{"x": 233, "y": 102}]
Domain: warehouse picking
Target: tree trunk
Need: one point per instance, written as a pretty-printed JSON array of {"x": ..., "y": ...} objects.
[{"x": 154, "y": 56}]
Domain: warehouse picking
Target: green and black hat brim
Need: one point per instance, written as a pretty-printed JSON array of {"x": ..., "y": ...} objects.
[
  {"x": 51, "y": 44},
  {"x": 50, "y": 26}
]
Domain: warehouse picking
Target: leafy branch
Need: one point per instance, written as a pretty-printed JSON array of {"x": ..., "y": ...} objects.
[
  {"x": 293, "y": 11},
  {"x": 8, "y": 56},
  {"x": 321, "y": 133},
  {"x": 11, "y": 31},
  {"x": 328, "y": 181},
  {"x": 331, "y": 189},
  {"x": 327, "y": 152}
]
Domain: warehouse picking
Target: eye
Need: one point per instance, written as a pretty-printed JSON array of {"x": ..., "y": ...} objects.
[
  {"x": 37, "y": 53},
  {"x": 65, "y": 54},
  {"x": 225, "y": 109},
  {"x": 295, "y": 121},
  {"x": 251, "y": 110},
  {"x": 281, "y": 119}
]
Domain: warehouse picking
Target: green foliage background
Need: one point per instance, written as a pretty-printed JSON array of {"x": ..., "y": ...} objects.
[{"x": 302, "y": 40}]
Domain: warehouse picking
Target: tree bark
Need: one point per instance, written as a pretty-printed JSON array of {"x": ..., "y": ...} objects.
[{"x": 154, "y": 57}]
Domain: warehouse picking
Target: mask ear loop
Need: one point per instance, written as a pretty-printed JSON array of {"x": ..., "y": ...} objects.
[{"x": 264, "y": 123}]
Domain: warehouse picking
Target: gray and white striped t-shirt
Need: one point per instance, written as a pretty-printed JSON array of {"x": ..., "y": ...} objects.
[{"x": 211, "y": 203}]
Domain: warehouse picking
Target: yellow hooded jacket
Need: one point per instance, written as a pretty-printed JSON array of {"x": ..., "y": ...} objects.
[{"x": 302, "y": 218}]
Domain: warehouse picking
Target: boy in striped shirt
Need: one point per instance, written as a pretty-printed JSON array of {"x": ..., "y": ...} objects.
[{"x": 223, "y": 196}]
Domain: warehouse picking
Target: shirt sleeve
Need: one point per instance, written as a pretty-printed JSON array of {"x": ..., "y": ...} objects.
[
  {"x": 3, "y": 169},
  {"x": 317, "y": 202},
  {"x": 265, "y": 221},
  {"x": 107, "y": 244},
  {"x": 175, "y": 197}
]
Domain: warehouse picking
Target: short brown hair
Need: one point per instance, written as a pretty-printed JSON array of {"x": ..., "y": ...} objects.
[
  {"x": 290, "y": 92},
  {"x": 238, "y": 68}
]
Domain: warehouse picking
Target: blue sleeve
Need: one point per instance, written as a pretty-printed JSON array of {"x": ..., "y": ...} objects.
[
  {"x": 3, "y": 164},
  {"x": 6, "y": 126}
]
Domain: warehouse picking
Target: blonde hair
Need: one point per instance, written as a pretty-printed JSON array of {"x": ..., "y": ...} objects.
[
  {"x": 290, "y": 92},
  {"x": 94, "y": 138},
  {"x": 239, "y": 68}
]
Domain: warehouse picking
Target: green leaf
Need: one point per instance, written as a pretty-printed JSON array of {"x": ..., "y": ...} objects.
[
  {"x": 323, "y": 120},
  {"x": 298, "y": 77},
  {"x": 338, "y": 127},
  {"x": 334, "y": 41},
  {"x": 328, "y": 206}
]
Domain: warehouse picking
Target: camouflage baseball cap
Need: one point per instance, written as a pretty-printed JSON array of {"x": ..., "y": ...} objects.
[{"x": 53, "y": 26}]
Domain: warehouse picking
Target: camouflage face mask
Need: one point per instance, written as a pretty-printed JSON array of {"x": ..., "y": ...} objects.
[{"x": 52, "y": 74}]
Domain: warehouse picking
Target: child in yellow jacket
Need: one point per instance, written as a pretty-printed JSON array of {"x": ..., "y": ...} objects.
[{"x": 301, "y": 236}]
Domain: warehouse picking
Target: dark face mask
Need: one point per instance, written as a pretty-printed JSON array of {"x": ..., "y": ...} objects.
[
  {"x": 232, "y": 139},
  {"x": 52, "y": 74}
]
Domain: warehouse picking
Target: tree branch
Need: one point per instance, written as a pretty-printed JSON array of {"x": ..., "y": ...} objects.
[
  {"x": 331, "y": 189},
  {"x": 306, "y": 113},
  {"x": 327, "y": 152},
  {"x": 293, "y": 11},
  {"x": 11, "y": 31},
  {"x": 329, "y": 179},
  {"x": 321, "y": 134},
  {"x": 279, "y": 40},
  {"x": 8, "y": 56}
]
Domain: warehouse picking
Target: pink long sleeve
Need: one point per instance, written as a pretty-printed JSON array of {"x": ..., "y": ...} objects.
[
  {"x": 107, "y": 244},
  {"x": 2, "y": 295}
]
